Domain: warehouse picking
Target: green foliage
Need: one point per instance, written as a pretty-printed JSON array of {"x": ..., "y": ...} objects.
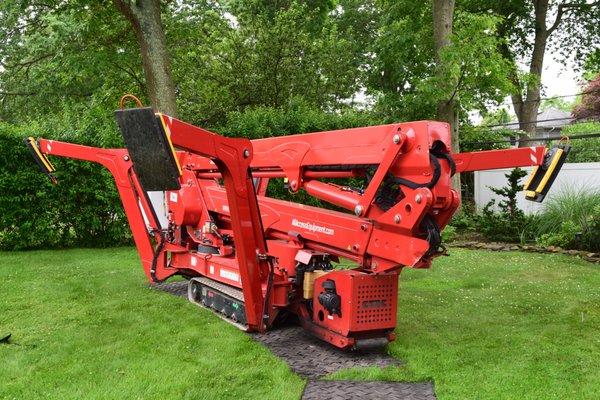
[
  {"x": 583, "y": 150},
  {"x": 509, "y": 223},
  {"x": 475, "y": 138},
  {"x": 557, "y": 103},
  {"x": 592, "y": 65},
  {"x": 64, "y": 60},
  {"x": 83, "y": 209},
  {"x": 449, "y": 234},
  {"x": 464, "y": 220},
  {"x": 260, "y": 53},
  {"x": 298, "y": 117},
  {"x": 571, "y": 220},
  {"x": 404, "y": 78}
]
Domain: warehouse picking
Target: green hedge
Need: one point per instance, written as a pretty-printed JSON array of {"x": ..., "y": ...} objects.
[{"x": 82, "y": 210}]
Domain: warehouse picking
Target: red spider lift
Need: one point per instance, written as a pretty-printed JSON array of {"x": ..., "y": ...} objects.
[{"x": 255, "y": 259}]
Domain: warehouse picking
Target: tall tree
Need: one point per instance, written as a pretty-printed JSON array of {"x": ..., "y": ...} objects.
[
  {"x": 528, "y": 30},
  {"x": 443, "y": 16},
  {"x": 424, "y": 69},
  {"x": 145, "y": 19},
  {"x": 64, "y": 65}
]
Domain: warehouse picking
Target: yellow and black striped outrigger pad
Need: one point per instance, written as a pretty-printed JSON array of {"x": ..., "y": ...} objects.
[
  {"x": 542, "y": 177},
  {"x": 40, "y": 159}
]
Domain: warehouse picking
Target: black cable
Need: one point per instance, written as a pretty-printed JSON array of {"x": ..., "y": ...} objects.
[
  {"x": 437, "y": 171},
  {"x": 268, "y": 294},
  {"x": 549, "y": 139},
  {"x": 434, "y": 155},
  {"x": 434, "y": 237},
  {"x": 448, "y": 159},
  {"x": 560, "y": 96},
  {"x": 157, "y": 251}
]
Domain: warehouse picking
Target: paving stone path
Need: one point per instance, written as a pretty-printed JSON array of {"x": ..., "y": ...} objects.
[{"x": 312, "y": 358}]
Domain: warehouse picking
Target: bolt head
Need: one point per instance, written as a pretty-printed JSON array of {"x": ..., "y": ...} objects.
[
  {"x": 246, "y": 153},
  {"x": 126, "y": 157},
  {"x": 418, "y": 199},
  {"x": 397, "y": 218},
  {"x": 358, "y": 210},
  {"x": 396, "y": 139}
]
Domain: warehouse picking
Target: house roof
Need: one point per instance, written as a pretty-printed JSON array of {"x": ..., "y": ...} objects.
[{"x": 551, "y": 118}]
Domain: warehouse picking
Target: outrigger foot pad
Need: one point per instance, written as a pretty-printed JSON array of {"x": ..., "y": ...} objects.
[
  {"x": 149, "y": 146},
  {"x": 41, "y": 160},
  {"x": 543, "y": 176}
]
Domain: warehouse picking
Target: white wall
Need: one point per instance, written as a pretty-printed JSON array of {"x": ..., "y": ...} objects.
[{"x": 571, "y": 176}]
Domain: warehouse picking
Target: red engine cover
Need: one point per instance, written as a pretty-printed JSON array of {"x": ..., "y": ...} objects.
[{"x": 368, "y": 302}]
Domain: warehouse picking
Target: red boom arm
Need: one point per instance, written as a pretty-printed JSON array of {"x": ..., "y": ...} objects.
[{"x": 221, "y": 221}]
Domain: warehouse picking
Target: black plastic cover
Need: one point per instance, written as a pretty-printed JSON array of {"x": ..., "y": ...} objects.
[{"x": 149, "y": 148}]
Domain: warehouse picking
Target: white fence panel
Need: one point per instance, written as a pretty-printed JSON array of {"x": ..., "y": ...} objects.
[{"x": 572, "y": 176}]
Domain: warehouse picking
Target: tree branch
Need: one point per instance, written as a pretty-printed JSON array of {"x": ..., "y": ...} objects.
[
  {"x": 564, "y": 7},
  {"x": 30, "y": 62},
  {"x": 462, "y": 75},
  {"x": 127, "y": 12},
  {"x": 132, "y": 74},
  {"x": 18, "y": 93}
]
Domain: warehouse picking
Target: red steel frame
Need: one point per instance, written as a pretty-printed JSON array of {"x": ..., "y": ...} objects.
[{"x": 380, "y": 241}]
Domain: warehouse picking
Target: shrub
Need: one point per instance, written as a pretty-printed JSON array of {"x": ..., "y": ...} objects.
[
  {"x": 82, "y": 210},
  {"x": 298, "y": 117},
  {"x": 571, "y": 220},
  {"x": 509, "y": 224},
  {"x": 449, "y": 233},
  {"x": 583, "y": 150}
]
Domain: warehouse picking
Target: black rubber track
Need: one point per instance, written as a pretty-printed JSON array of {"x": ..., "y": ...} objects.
[{"x": 312, "y": 358}]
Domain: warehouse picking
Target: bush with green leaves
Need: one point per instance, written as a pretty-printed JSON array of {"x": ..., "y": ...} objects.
[
  {"x": 82, "y": 210},
  {"x": 583, "y": 150},
  {"x": 571, "y": 220},
  {"x": 509, "y": 223}
]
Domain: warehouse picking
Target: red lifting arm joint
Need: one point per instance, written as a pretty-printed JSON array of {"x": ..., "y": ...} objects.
[{"x": 233, "y": 158}]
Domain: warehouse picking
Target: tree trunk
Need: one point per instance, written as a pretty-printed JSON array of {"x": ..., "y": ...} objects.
[
  {"x": 527, "y": 109},
  {"x": 144, "y": 16},
  {"x": 443, "y": 15}
]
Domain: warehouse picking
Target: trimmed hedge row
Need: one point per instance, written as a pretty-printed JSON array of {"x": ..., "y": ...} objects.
[{"x": 84, "y": 209}]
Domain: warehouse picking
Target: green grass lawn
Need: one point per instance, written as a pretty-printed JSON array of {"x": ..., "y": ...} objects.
[{"x": 482, "y": 325}]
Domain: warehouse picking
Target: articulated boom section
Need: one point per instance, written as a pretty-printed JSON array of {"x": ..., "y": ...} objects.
[{"x": 253, "y": 258}]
